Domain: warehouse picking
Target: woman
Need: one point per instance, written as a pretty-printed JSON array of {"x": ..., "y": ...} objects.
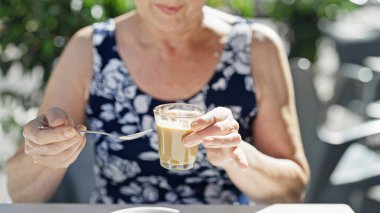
[{"x": 114, "y": 73}]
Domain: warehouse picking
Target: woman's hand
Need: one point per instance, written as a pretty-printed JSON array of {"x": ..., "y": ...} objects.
[
  {"x": 56, "y": 146},
  {"x": 218, "y": 131}
]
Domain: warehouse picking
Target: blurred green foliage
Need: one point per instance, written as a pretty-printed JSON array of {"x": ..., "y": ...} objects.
[
  {"x": 302, "y": 17},
  {"x": 41, "y": 28},
  {"x": 33, "y": 33}
]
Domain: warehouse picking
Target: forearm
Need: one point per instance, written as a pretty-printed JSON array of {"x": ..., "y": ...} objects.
[
  {"x": 268, "y": 179},
  {"x": 28, "y": 182}
]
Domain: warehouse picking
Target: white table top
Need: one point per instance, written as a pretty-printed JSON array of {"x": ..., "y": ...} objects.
[{"x": 88, "y": 208}]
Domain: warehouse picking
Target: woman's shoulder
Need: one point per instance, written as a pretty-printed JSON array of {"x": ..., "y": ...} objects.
[
  {"x": 261, "y": 33},
  {"x": 87, "y": 34},
  {"x": 264, "y": 36},
  {"x": 93, "y": 34},
  {"x": 220, "y": 15},
  {"x": 83, "y": 35}
]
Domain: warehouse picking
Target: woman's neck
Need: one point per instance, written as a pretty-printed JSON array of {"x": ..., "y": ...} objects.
[{"x": 171, "y": 44}]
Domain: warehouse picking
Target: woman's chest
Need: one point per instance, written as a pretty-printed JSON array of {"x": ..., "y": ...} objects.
[{"x": 171, "y": 77}]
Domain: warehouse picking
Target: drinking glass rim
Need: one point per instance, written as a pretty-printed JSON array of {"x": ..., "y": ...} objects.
[{"x": 201, "y": 111}]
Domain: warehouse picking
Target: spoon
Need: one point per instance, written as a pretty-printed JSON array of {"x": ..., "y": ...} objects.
[{"x": 123, "y": 137}]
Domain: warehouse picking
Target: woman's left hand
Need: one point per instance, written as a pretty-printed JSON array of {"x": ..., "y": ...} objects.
[{"x": 219, "y": 133}]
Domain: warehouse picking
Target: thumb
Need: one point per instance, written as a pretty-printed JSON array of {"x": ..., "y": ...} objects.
[
  {"x": 240, "y": 158},
  {"x": 57, "y": 117},
  {"x": 81, "y": 128}
]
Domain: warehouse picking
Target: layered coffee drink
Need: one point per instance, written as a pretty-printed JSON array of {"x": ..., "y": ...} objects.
[
  {"x": 171, "y": 149},
  {"x": 173, "y": 123}
]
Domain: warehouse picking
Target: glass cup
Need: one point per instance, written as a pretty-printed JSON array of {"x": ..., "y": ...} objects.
[{"x": 173, "y": 123}]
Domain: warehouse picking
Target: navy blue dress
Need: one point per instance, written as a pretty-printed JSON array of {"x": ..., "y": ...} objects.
[{"x": 130, "y": 172}]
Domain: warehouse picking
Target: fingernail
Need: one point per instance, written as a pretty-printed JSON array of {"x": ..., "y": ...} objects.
[
  {"x": 81, "y": 129},
  {"x": 244, "y": 166},
  {"x": 56, "y": 121},
  {"x": 82, "y": 134},
  {"x": 69, "y": 132},
  {"x": 208, "y": 141},
  {"x": 194, "y": 126},
  {"x": 186, "y": 142}
]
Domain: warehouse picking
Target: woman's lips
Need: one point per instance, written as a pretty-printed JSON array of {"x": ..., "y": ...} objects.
[{"x": 169, "y": 10}]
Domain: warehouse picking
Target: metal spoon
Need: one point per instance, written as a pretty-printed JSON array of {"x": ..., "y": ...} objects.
[{"x": 123, "y": 137}]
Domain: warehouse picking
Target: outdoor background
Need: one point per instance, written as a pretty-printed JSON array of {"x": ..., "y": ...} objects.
[{"x": 33, "y": 34}]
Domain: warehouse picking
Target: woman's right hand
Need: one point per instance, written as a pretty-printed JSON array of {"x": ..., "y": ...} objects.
[{"x": 56, "y": 146}]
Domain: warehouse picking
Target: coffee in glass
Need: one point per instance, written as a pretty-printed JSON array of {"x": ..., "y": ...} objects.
[{"x": 173, "y": 123}]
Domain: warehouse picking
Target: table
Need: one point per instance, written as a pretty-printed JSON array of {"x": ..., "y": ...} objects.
[{"x": 89, "y": 208}]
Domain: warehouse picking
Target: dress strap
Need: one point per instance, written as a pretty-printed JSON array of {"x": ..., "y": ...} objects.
[
  {"x": 238, "y": 47},
  {"x": 240, "y": 38},
  {"x": 103, "y": 30},
  {"x": 104, "y": 44}
]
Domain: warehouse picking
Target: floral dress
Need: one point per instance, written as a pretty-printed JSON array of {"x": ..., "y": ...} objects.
[{"x": 130, "y": 172}]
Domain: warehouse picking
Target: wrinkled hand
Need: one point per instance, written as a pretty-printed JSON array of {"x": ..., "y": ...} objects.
[
  {"x": 56, "y": 146},
  {"x": 218, "y": 131}
]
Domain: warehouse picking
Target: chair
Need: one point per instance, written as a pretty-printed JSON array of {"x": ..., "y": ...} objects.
[
  {"x": 324, "y": 147},
  {"x": 307, "y": 109},
  {"x": 351, "y": 88},
  {"x": 79, "y": 180},
  {"x": 371, "y": 203},
  {"x": 355, "y": 34}
]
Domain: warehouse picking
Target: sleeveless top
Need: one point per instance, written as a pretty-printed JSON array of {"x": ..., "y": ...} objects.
[{"x": 130, "y": 172}]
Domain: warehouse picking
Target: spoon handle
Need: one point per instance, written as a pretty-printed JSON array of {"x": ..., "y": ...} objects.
[
  {"x": 97, "y": 132},
  {"x": 125, "y": 137}
]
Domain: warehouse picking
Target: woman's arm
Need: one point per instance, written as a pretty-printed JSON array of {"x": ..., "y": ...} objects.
[
  {"x": 67, "y": 89},
  {"x": 278, "y": 169}
]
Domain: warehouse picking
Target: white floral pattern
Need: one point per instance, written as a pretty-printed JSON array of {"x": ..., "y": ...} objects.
[
  {"x": 118, "y": 169},
  {"x": 130, "y": 172}
]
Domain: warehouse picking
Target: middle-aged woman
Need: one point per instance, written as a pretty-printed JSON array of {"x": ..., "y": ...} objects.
[{"x": 113, "y": 74}]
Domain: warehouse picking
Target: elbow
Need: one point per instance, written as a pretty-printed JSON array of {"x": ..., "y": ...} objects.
[
  {"x": 14, "y": 187},
  {"x": 296, "y": 192},
  {"x": 295, "y": 196},
  {"x": 10, "y": 187},
  {"x": 291, "y": 195},
  {"x": 17, "y": 191},
  {"x": 15, "y": 197},
  {"x": 292, "y": 192},
  {"x": 23, "y": 186}
]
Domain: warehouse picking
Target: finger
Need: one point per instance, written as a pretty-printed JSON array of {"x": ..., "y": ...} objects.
[
  {"x": 218, "y": 157},
  {"x": 230, "y": 140},
  {"x": 57, "y": 117},
  {"x": 240, "y": 158},
  {"x": 32, "y": 148},
  {"x": 79, "y": 150},
  {"x": 56, "y": 159},
  {"x": 216, "y": 115},
  {"x": 218, "y": 129},
  {"x": 46, "y": 136},
  {"x": 75, "y": 153},
  {"x": 39, "y": 121},
  {"x": 62, "y": 160},
  {"x": 81, "y": 128}
]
